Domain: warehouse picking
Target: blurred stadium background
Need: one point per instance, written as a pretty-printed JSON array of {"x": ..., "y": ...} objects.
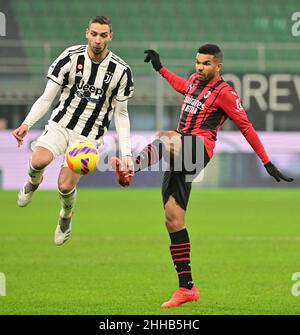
[
  {"x": 245, "y": 242},
  {"x": 261, "y": 60}
]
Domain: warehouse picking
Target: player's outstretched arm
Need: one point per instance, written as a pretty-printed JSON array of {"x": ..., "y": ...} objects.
[
  {"x": 232, "y": 107},
  {"x": 122, "y": 124},
  {"x": 38, "y": 110},
  {"x": 177, "y": 82},
  {"x": 274, "y": 172}
]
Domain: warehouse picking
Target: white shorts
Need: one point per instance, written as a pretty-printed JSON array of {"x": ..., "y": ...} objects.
[{"x": 57, "y": 139}]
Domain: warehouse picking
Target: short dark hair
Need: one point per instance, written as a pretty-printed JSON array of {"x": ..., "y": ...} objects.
[
  {"x": 101, "y": 20},
  {"x": 211, "y": 49}
]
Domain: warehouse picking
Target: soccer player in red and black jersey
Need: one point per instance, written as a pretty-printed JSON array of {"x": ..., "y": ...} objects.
[{"x": 208, "y": 102}]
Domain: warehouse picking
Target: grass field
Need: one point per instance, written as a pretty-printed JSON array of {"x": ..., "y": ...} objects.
[{"x": 245, "y": 248}]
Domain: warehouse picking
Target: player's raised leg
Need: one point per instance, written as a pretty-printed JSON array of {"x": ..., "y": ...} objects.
[
  {"x": 180, "y": 252},
  {"x": 41, "y": 157},
  {"x": 67, "y": 182},
  {"x": 166, "y": 144}
]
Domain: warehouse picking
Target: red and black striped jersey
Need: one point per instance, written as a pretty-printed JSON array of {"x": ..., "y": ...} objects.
[{"x": 205, "y": 108}]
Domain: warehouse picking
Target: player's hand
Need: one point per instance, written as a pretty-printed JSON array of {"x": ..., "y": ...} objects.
[
  {"x": 127, "y": 166},
  {"x": 153, "y": 56},
  {"x": 20, "y": 133},
  {"x": 274, "y": 172}
]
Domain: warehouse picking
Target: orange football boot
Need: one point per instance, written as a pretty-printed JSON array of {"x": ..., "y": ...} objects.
[{"x": 181, "y": 296}]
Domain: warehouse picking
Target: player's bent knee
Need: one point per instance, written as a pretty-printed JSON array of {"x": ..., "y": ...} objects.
[
  {"x": 160, "y": 134},
  {"x": 165, "y": 133},
  {"x": 173, "y": 222},
  {"x": 65, "y": 187},
  {"x": 174, "y": 225},
  {"x": 41, "y": 157},
  {"x": 39, "y": 164},
  {"x": 174, "y": 215},
  {"x": 67, "y": 180}
]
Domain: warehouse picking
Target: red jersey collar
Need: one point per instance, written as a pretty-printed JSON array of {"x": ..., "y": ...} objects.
[{"x": 210, "y": 83}]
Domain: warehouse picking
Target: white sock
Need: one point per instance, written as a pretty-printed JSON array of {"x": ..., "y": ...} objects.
[
  {"x": 67, "y": 202},
  {"x": 35, "y": 176}
]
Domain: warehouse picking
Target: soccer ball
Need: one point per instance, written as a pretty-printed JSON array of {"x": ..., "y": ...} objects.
[{"x": 82, "y": 157}]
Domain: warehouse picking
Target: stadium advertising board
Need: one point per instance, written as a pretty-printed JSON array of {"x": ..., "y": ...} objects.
[
  {"x": 274, "y": 92},
  {"x": 232, "y": 151}
]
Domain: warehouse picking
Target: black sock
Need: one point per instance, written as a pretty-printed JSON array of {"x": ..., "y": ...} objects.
[
  {"x": 150, "y": 155},
  {"x": 180, "y": 251}
]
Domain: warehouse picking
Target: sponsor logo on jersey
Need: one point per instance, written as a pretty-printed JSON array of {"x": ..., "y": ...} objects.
[
  {"x": 84, "y": 91},
  {"x": 193, "y": 105},
  {"x": 85, "y": 87}
]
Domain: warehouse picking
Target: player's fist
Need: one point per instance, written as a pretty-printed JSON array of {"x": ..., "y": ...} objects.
[
  {"x": 20, "y": 133},
  {"x": 153, "y": 56}
]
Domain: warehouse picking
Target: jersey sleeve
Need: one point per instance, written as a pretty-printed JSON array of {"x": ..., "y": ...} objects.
[
  {"x": 230, "y": 103},
  {"x": 43, "y": 104},
  {"x": 59, "y": 68},
  {"x": 122, "y": 124},
  {"x": 178, "y": 83},
  {"x": 126, "y": 88}
]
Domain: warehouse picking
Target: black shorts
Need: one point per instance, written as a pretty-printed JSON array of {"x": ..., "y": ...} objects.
[{"x": 177, "y": 182}]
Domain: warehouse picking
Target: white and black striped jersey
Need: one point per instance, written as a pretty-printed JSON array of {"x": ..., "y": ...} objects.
[{"x": 89, "y": 90}]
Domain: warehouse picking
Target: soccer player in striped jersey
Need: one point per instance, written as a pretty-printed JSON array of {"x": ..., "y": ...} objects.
[
  {"x": 208, "y": 102},
  {"x": 93, "y": 84}
]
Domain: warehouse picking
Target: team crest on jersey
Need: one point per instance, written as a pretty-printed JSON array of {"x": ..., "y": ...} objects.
[
  {"x": 207, "y": 94},
  {"x": 108, "y": 77}
]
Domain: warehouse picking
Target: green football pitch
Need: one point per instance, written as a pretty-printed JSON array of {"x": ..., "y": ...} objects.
[{"x": 245, "y": 249}]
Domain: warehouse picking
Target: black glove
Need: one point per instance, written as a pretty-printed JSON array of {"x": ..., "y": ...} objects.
[
  {"x": 153, "y": 56},
  {"x": 274, "y": 172}
]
